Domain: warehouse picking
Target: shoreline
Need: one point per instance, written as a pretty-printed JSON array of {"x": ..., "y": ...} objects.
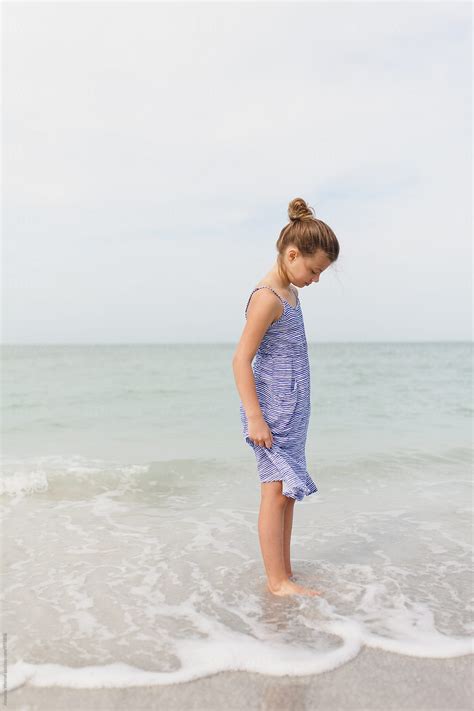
[{"x": 374, "y": 679}]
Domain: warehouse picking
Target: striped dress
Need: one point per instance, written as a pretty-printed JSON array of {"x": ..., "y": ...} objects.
[{"x": 282, "y": 379}]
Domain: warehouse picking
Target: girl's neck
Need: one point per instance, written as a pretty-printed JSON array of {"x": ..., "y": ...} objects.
[{"x": 274, "y": 278}]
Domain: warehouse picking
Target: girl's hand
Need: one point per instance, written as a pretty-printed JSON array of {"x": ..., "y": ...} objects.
[{"x": 259, "y": 431}]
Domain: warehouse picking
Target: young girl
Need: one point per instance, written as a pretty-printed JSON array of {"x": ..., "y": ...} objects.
[{"x": 275, "y": 393}]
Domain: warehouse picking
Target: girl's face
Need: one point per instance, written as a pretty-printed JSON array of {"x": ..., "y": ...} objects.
[{"x": 303, "y": 271}]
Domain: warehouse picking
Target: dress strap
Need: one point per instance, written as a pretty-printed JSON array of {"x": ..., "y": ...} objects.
[{"x": 265, "y": 286}]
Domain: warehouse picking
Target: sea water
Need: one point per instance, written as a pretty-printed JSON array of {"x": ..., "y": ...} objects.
[{"x": 130, "y": 504}]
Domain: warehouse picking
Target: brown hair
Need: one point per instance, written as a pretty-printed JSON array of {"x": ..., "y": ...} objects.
[{"x": 307, "y": 233}]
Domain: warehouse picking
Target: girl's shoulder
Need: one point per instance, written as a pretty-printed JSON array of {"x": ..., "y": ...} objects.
[
  {"x": 265, "y": 287},
  {"x": 278, "y": 304},
  {"x": 293, "y": 290}
]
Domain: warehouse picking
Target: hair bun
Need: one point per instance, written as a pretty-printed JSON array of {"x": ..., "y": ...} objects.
[{"x": 299, "y": 210}]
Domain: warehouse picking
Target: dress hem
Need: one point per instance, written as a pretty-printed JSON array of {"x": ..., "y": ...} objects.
[{"x": 281, "y": 465}]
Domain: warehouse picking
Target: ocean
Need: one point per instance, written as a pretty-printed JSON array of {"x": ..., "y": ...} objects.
[{"x": 130, "y": 500}]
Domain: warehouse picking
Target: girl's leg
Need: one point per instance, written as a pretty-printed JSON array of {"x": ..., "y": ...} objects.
[
  {"x": 287, "y": 525},
  {"x": 271, "y": 522},
  {"x": 270, "y": 531}
]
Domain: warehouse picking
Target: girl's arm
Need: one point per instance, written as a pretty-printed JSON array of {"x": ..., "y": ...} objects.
[{"x": 263, "y": 309}]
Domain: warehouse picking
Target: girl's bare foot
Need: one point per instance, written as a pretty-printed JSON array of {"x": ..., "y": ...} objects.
[{"x": 287, "y": 587}]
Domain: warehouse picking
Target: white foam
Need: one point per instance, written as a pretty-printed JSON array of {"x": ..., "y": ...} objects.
[
  {"x": 228, "y": 650},
  {"x": 23, "y": 483},
  {"x": 32, "y": 475},
  {"x": 223, "y": 650}
]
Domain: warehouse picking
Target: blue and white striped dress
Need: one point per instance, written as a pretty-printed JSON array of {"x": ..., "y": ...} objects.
[{"x": 282, "y": 379}]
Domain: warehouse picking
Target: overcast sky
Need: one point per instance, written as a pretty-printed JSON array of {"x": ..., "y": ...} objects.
[{"x": 150, "y": 151}]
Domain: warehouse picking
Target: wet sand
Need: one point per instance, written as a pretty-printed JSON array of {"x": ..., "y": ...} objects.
[{"x": 373, "y": 680}]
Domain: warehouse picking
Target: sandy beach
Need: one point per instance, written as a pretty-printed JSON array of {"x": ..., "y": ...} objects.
[{"x": 373, "y": 680}]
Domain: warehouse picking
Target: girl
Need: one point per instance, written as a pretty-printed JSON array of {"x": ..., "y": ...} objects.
[{"x": 275, "y": 393}]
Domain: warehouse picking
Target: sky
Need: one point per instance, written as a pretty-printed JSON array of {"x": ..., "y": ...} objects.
[{"x": 150, "y": 151}]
